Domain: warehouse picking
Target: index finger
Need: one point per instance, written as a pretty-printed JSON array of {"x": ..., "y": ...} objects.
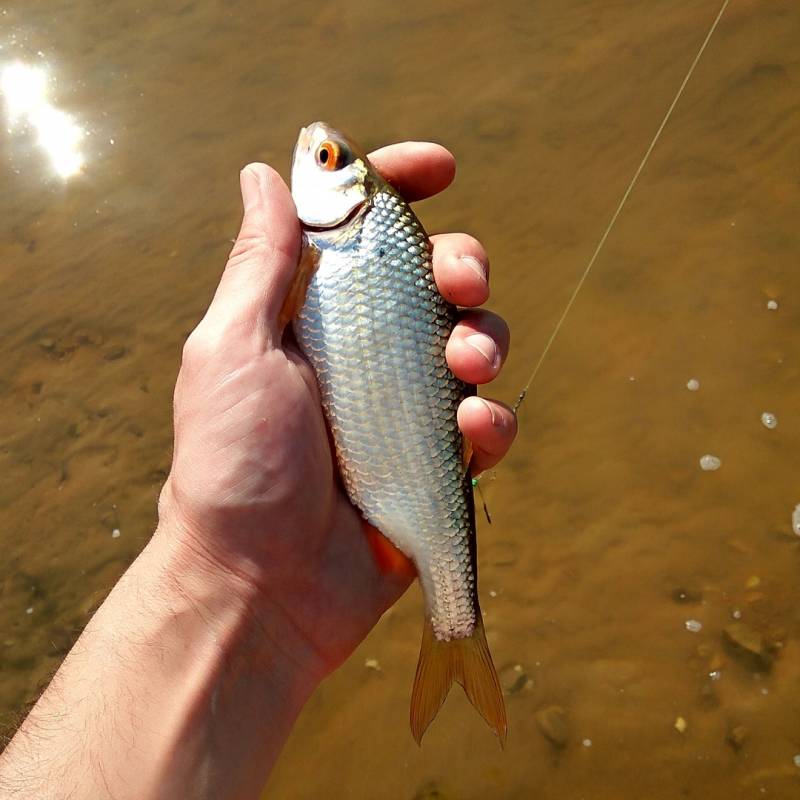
[{"x": 416, "y": 169}]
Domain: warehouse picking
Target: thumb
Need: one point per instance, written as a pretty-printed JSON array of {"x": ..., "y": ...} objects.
[{"x": 264, "y": 258}]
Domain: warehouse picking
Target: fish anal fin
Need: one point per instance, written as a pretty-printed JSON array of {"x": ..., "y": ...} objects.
[
  {"x": 389, "y": 559},
  {"x": 296, "y": 296},
  {"x": 466, "y": 661}
]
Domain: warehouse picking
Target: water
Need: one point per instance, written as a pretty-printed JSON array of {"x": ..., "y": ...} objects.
[{"x": 606, "y": 536}]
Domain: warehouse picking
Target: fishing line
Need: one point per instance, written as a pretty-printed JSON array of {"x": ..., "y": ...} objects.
[{"x": 621, "y": 205}]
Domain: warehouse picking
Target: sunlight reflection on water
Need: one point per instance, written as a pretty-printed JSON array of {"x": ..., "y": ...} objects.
[{"x": 25, "y": 89}]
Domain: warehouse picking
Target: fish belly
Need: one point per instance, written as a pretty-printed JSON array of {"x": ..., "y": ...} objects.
[{"x": 374, "y": 328}]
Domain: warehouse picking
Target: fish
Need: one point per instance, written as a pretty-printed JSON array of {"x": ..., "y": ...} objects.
[{"x": 374, "y": 327}]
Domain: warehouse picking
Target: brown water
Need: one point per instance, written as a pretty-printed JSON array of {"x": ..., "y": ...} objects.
[{"x": 607, "y": 535}]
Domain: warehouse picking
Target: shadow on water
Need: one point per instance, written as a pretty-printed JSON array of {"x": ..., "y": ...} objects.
[{"x": 643, "y": 612}]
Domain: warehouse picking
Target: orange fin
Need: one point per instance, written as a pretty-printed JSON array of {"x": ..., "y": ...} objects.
[
  {"x": 389, "y": 559},
  {"x": 466, "y": 452},
  {"x": 466, "y": 661},
  {"x": 296, "y": 296}
]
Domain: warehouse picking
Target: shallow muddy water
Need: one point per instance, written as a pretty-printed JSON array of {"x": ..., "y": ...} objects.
[{"x": 607, "y": 536}]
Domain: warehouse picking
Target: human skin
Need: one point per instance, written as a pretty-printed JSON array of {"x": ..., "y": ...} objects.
[{"x": 261, "y": 577}]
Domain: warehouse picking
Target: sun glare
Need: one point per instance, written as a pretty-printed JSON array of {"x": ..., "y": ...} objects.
[{"x": 25, "y": 90}]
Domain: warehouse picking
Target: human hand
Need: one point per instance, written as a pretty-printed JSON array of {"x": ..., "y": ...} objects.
[{"x": 253, "y": 492}]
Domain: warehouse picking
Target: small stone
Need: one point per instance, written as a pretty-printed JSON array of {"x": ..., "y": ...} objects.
[
  {"x": 116, "y": 533},
  {"x": 372, "y": 663},
  {"x": 681, "y": 725},
  {"x": 747, "y": 645},
  {"x": 709, "y": 463},
  {"x": 752, "y": 582},
  {"x": 85, "y": 336},
  {"x": 715, "y": 674},
  {"x": 693, "y": 384},
  {"x": 796, "y": 519},
  {"x": 693, "y": 625},
  {"x": 769, "y": 420},
  {"x": 736, "y": 737},
  {"x": 736, "y": 613},
  {"x": 29, "y": 610},
  {"x": 552, "y": 723},
  {"x": 522, "y": 682},
  {"x": 513, "y": 678},
  {"x": 115, "y": 352},
  {"x": 47, "y": 343},
  {"x": 796, "y": 760},
  {"x": 772, "y": 305},
  {"x": 587, "y": 742}
]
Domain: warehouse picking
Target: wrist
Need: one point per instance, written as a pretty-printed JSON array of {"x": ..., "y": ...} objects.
[
  {"x": 248, "y": 627},
  {"x": 232, "y": 677}
]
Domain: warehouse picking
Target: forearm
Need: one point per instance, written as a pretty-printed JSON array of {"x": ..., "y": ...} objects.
[{"x": 182, "y": 685}]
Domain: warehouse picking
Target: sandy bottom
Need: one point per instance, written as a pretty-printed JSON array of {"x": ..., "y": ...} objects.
[{"x": 608, "y": 538}]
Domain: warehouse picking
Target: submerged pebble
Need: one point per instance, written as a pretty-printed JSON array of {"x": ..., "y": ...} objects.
[
  {"x": 372, "y": 663},
  {"x": 681, "y": 725},
  {"x": 587, "y": 742},
  {"x": 747, "y": 645},
  {"x": 796, "y": 760},
  {"x": 709, "y": 463},
  {"x": 116, "y": 533},
  {"x": 736, "y": 737},
  {"x": 552, "y": 722},
  {"x": 772, "y": 305},
  {"x": 693, "y": 625},
  {"x": 693, "y": 385},
  {"x": 769, "y": 420},
  {"x": 796, "y": 519}
]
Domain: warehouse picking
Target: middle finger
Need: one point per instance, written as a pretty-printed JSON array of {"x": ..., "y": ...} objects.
[
  {"x": 460, "y": 268},
  {"x": 478, "y": 346}
]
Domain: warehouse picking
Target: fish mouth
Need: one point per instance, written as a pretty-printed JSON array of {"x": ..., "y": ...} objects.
[{"x": 351, "y": 216}]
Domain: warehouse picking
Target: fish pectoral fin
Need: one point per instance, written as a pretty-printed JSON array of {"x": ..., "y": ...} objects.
[
  {"x": 296, "y": 296},
  {"x": 466, "y": 661}
]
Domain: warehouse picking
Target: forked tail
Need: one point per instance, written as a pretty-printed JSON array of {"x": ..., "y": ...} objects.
[{"x": 467, "y": 661}]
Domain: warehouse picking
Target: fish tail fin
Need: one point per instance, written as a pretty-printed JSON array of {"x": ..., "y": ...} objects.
[{"x": 466, "y": 661}]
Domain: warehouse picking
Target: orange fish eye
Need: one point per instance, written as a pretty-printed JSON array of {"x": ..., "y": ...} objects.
[{"x": 329, "y": 155}]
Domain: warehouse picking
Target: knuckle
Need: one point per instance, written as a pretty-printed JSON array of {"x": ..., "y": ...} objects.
[
  {"x": 198, "y": 348},
  {"x": 252, "y": 244}
]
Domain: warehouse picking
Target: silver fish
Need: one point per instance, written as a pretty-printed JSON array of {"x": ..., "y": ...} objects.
[{"x": 374, "y": 327}]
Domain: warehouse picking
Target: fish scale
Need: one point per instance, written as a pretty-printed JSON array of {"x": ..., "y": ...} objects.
[{"x": 374, "y": 327}]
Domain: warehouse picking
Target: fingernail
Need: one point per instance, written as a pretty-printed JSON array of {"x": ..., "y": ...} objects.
[
  {"x": 251, "y": 187},
  {"x": 497, "y": 419},
  {"x": 476, "y": 266},
  {"x": 486, "y": 347}
]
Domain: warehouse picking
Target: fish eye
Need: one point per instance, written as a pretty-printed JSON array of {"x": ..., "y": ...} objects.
[{"x": 331, "y": 155}]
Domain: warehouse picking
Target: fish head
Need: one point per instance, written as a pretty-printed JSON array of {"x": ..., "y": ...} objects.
[{"x": 331, "y": 177}]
